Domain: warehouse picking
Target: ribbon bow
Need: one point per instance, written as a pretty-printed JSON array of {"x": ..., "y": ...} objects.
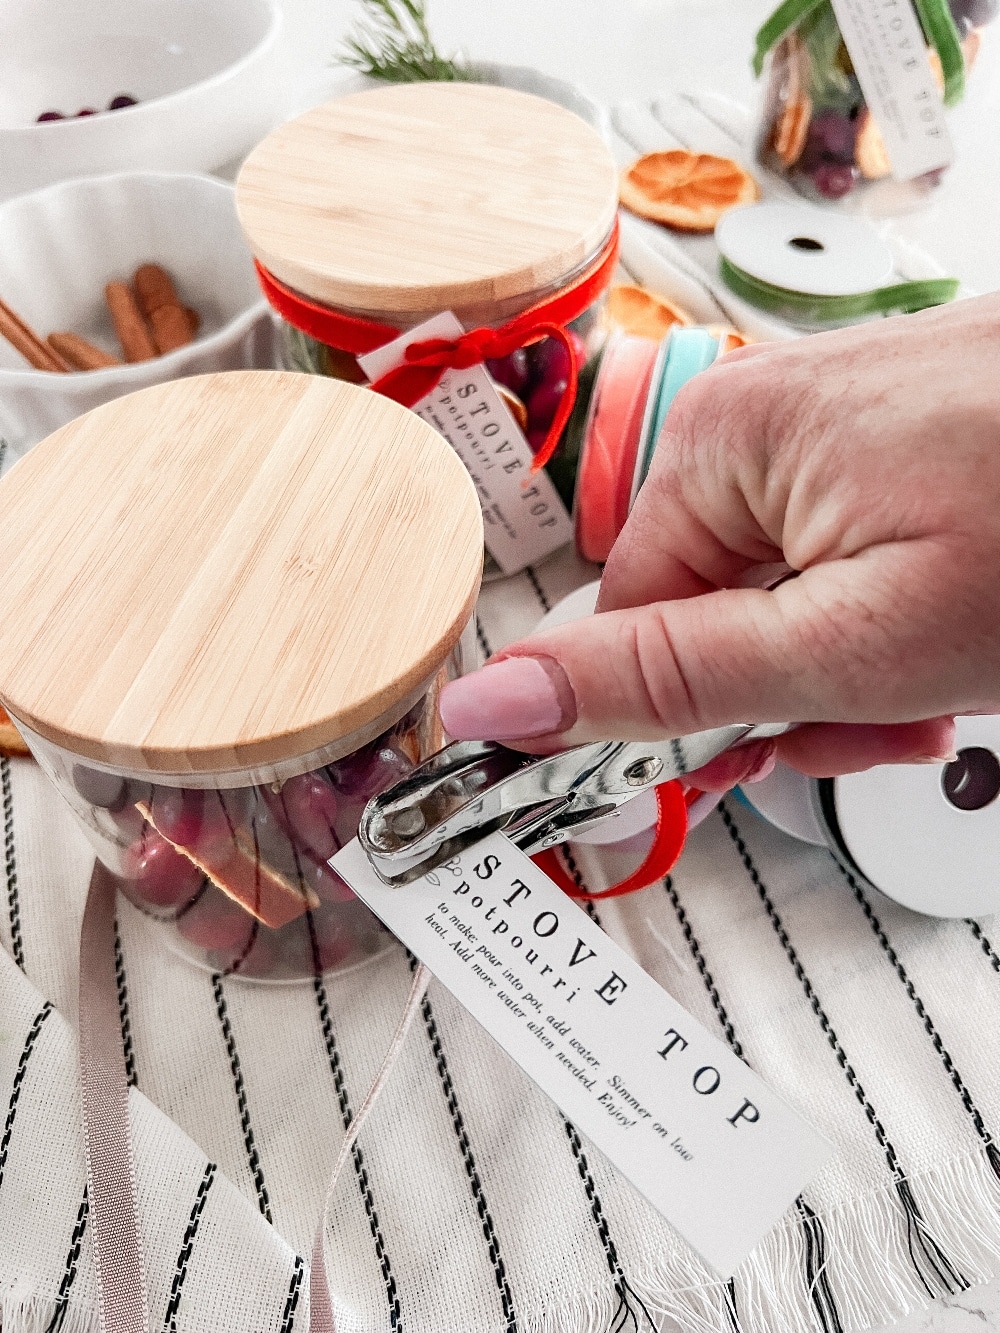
[{"x": 426, "y": 361}]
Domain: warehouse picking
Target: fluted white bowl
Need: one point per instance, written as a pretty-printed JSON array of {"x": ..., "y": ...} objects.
[
  {"x": 60, "y": 246},
  {"x": 211, "y": 77}
]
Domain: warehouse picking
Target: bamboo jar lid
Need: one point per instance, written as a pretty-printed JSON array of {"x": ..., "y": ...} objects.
[
  {"x": 230, "y": 571},
  {"x": 427, "y": 196}
]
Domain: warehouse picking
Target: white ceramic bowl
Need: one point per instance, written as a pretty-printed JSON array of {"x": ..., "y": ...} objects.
[
  {"x": 210, "y": 77},
  {"x": 58, "y": 248}
]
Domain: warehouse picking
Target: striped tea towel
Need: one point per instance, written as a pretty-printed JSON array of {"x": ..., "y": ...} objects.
[{"x": 470, "y": 1203}]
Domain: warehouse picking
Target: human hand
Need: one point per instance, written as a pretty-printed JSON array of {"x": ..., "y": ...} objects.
[{"x": 866, "y": 458}]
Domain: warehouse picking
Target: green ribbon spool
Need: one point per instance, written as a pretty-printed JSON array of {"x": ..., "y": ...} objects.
[
  {"x": 899, "y": 298},
  {"x": 935, "y": 19}
]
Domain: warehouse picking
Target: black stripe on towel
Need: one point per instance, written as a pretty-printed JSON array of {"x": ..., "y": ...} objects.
[
  {"x": 475, "y": 1184},
  {"x": 123, "y": 1013},
  {"x": 944, "y": 1054},
  {"x": 537, "y": 589},
  {"x": 72, "y": 1265},
  {"x": 484, "y": 643},
  {"x": 984, "y": 943},
  {"x": 626, "y": 1312},
  {"x": 357, "y": 1157},
  {"x": 253, "y": 1159},
  {"x": 292, "y": 1299},
  {"x": 816, "y": 1276},
  {"x": 15, "y": 1091},
  {"x": 187, "y": 1248},
  {"x": 10, "y": 864},
  {"x": 925, "y": 1252}
]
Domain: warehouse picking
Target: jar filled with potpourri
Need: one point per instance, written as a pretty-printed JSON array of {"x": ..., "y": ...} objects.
[
  {"x": 451, "y": 245},
  {"x": 229, "y": 606}
]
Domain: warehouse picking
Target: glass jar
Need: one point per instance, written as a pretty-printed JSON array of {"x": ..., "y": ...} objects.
[
  {"x": 377, "y": 212},
  {"x": 818, "y": 129},
  {"x": 249, "y": 644}
]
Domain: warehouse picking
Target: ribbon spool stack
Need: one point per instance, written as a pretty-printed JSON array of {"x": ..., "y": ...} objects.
[
  {"x": 375, "y": 213},
  {"x": 636, "y": 382},
  {"x": 219, "y": 662},
  {"x": 816, "y": 269},
  {"x": 925, "y": 835}
]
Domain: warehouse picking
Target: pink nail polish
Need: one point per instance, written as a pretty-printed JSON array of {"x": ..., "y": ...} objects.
[
  {"x": 506, "y": 700},
  {"x": 764, "y": 769}
]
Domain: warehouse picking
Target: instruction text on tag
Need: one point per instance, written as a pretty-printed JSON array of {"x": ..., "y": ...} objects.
[{"x": 693, "y": 1128}]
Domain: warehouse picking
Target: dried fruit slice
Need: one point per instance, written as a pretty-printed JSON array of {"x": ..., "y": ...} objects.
[
  {"x": 642, "y": 313},
  {"x": 729, "y": 338},
  {"x": 249, "y": 881},
  {"x": 10, "y": 738},
  {"x": 792, "y": 129},
  {"x": 791, "y": 124},
  {"x": 517, "y": 409},
  {"x": 688, "y": 191},
  {"x": 869, "y": 150}
]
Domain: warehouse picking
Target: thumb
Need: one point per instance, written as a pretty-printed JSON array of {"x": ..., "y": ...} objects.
[{"x": 672, "y": 668}]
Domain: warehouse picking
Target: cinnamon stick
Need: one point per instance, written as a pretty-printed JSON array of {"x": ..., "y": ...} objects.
[
  {"x": 81, "y": 354},
  {"x": 27, "y": 342},
  {"x": 129, "y": 323},
  {"x": 159, "y": 302}
]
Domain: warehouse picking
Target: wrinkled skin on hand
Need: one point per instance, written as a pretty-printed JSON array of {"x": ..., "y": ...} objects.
[{"x": 868, "y": 459}]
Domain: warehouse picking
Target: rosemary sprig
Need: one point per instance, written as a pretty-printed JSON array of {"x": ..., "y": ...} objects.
[{"x": 392, "y": 42}]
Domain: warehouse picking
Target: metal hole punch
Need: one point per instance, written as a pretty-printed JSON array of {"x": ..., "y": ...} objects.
[{"x": 473, "y": 788}]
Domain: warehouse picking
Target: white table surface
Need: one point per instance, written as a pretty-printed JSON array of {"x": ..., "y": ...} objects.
[{"x": 632, "y": 49}]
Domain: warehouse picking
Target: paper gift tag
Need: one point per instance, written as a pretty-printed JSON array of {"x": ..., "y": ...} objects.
[
  {"x": 524, "y": 517},
  {"x": 709, "y": 1145}
]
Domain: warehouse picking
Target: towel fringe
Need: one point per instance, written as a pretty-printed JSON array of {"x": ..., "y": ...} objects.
[{"x": 868, "y": 1265}]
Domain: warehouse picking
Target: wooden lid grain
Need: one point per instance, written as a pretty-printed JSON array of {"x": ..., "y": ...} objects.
[
  {"x": 230, "y": 571},
  {"x": 425, "y": 197}
]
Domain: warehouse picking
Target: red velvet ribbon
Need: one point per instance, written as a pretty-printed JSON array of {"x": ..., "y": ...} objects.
[
  {"x": 672, "y": 803},
  {"x": 427, "y": 361}
]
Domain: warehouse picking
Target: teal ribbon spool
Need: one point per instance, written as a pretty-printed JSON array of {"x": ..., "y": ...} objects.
[
  {"x": 897, "y": 298},
  {"x": 688, "y": 351}
]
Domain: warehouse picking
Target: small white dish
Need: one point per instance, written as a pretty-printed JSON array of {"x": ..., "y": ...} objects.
[
  {"x": 210, "y": 77},
  {"x": 60, "y": 246}
]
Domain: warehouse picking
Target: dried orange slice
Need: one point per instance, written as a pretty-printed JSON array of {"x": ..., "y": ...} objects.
[
  {"x": 688, "y": 191},
  {"x": 729, "y": 337},
  {"x": 791, "y": 130},
  {"x": 869, "y": 150},
  {"x": 791, "y": 125},
  {"x": 971, "y": 43},
  {"x": 10, "y": 738},
  {"x": 517, "y": 410},
  {"x": 642, "y": 313}
]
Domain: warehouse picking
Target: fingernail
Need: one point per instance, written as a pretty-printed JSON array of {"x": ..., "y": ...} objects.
[
  {"x": 734, "y": 767},
  {"x": 948, "y": 758},
  {"x": 764, "y": 769},
  {"x": 507, "y": 700}
]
